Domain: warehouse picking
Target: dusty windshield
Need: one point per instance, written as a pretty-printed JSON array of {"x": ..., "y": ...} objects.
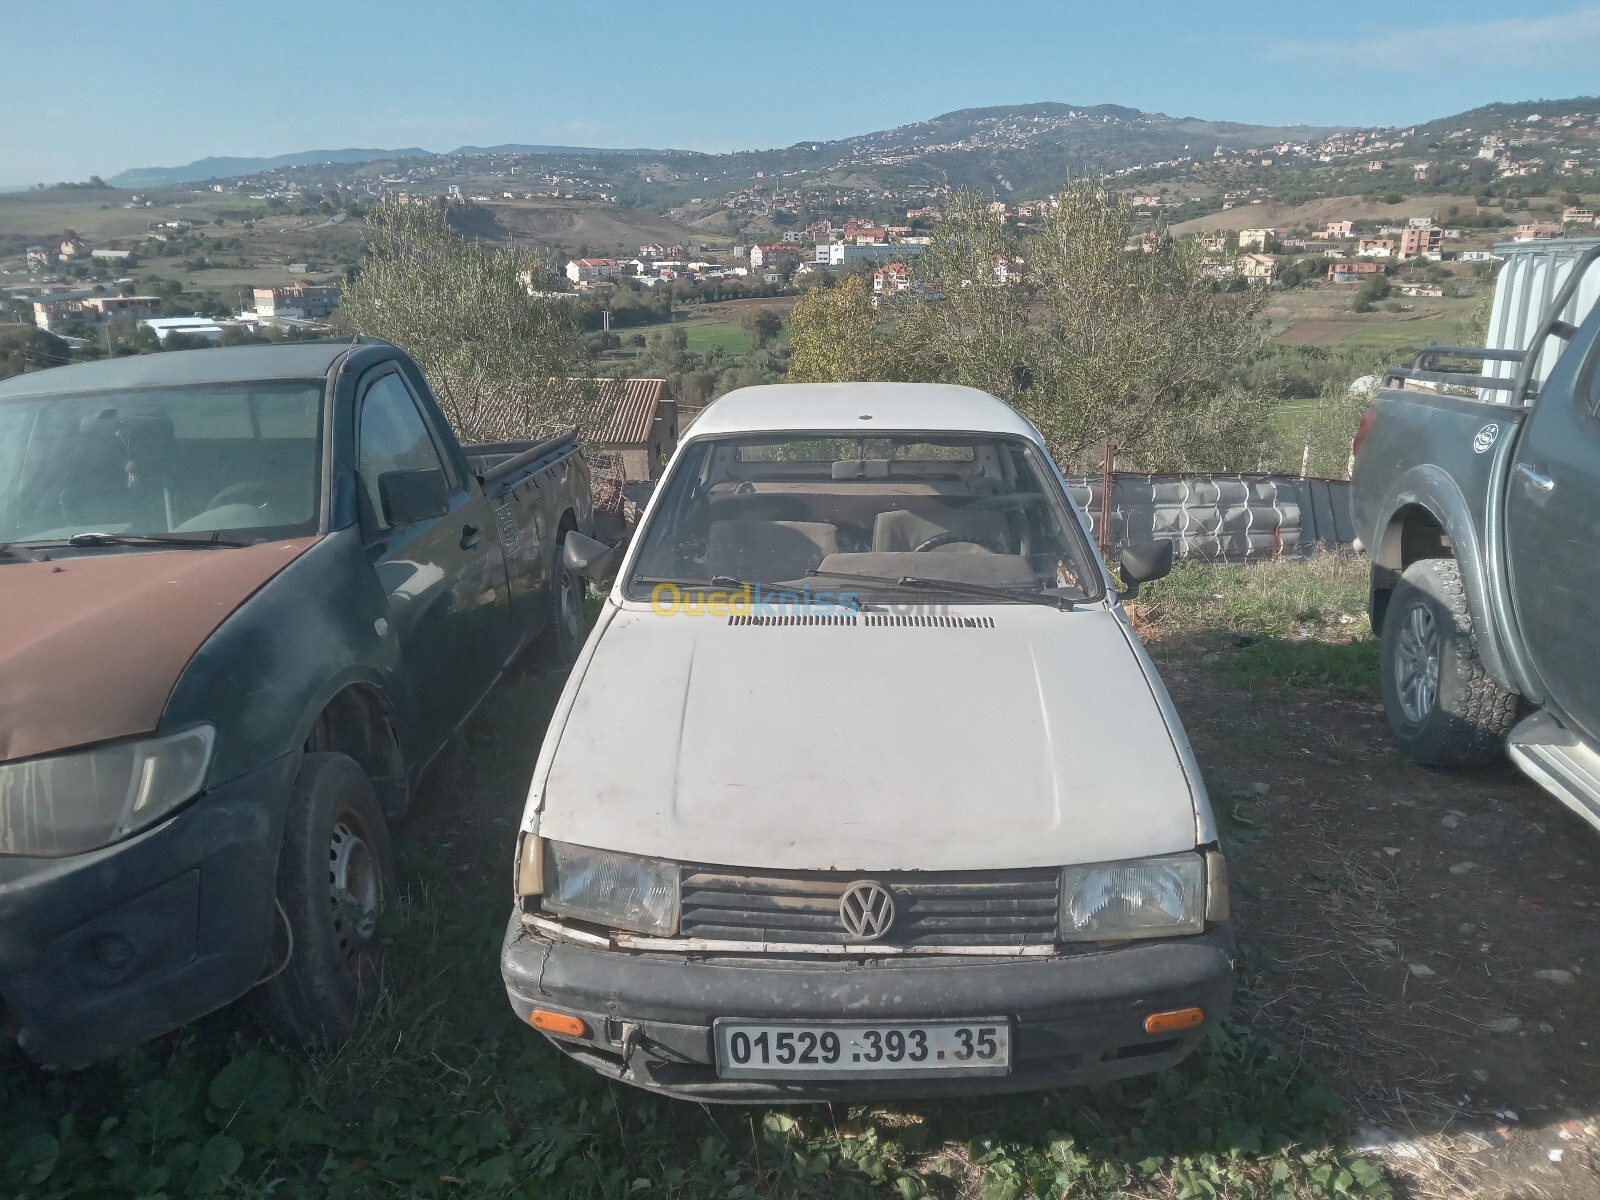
[
  {"x": 161, "y": 460},
  {"x": 973, "y": 510}
]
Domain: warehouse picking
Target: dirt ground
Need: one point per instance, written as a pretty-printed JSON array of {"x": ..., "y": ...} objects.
[{"x": 1422, "y": 936}]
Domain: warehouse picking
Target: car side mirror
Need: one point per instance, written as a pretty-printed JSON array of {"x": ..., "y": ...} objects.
[
  {"x": 410, "y": 497},
  {"x": 1143, "y": 563},
  {"x": 595, "y": 561}
]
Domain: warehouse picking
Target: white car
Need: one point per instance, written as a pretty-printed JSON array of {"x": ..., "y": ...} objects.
[{"x": 862, "y": 786}]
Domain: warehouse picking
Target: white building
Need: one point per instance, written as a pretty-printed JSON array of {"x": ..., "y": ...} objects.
[{"x": 204, "y": 327}]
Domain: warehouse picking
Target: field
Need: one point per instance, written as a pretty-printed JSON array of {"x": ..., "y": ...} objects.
[{"x": 1345, "y": 861}]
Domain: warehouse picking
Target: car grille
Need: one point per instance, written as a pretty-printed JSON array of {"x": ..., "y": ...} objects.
[{"x": 956, "y": 908}]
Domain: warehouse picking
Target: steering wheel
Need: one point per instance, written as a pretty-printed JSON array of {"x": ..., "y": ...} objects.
[
  {"x": 985, "y": 540},
  {"x": 250, "y": 491}
]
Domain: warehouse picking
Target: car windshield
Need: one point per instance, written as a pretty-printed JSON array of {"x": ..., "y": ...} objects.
[
  {"x": 162, "y": 460},
  {"x": 860, "y": 514}
]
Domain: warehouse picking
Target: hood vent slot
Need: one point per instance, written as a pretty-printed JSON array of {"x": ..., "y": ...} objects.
[
  {"x": 878, "y": 619},
  {"x": 929, "y": 622}
]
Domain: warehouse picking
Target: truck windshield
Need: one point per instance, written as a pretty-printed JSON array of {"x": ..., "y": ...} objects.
[
  {"x": 157, "y": 460},
  {"x": 963, "y": 509}
]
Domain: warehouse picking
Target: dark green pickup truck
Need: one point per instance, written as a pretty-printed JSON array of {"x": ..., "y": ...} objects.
[
  {"x": 1477, "y": 493},
  {"x": 246, "y": 595}
]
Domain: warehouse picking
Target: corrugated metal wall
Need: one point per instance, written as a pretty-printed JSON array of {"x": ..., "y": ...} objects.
[{"x": 1216, "y": 516}]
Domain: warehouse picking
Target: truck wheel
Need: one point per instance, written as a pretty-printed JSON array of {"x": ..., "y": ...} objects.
[
  {"x": 335, "y": 873},
  {"x": 564, "y": 621},
  {"x": 1443, "y": 708}
]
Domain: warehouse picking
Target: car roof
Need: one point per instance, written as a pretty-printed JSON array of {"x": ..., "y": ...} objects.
[
  {"x": 226, "y": 364},
  {"x": 835, "y": 407}
]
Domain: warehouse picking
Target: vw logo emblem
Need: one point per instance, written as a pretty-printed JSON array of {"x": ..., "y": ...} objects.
[{"x": 866, "y": 910}]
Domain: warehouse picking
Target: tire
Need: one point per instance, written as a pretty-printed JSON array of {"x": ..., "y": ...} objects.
[
  {"x": 1443, "y": 708},
  {"x": 335, "y": 873},
  {"x": 564, "y": 619}
]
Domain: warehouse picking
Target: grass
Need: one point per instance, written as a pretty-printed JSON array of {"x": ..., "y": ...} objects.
[
  {"x": 443, "y": 1093},
  {"x": 730, "y": 335},
  {"x": 1304, "y": 621},
  {"x": 1390, "y": 336}
]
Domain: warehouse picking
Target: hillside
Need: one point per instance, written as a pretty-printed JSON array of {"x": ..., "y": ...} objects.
[{"x": 229, "y": 168}]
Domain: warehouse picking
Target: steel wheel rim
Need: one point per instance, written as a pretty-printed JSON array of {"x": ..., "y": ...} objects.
[
  {"x": 355, "y": 891},
  {"x": 1417, "y": 664}
]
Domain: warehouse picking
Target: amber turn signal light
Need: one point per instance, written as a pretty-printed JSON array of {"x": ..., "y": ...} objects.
[
  {"x": 1166, "y": 1022},
  {"x": 554, "y": 1022}
]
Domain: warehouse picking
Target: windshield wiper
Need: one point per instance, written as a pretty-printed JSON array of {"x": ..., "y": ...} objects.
[
  {"x": 79, "y": 541},
  {"x": 22, "y": 553},
  {"x": 1054, "y": 597}
]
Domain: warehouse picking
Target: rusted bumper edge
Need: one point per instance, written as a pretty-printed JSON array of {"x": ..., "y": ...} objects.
[
  {"x": 101, "y": 951},
  {"x": 1077, "y": 1018}
]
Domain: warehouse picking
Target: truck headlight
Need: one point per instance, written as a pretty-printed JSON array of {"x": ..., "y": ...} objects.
[
  {"x": 618, "y": 891},
  {"x": 70, "y": 803},
  {"x": 1140, "y": 898}
]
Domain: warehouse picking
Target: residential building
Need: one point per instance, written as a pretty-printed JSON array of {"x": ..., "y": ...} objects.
[
  {"x": 1253, "y": 237},
  {"x": 74, "y": 248},
  {"x": 55, "y": 311},
  {"x": 1477, "y": 256},
  {"x": 1340, "y": 229},
  {"x": 1577, "y": 216},
  {"x": 1145, "y": 201},
  {"x": 1375, "y": 248},
  {"x": 1419, "y": 289},
  {"x": 1427, "y": 242},
  {"x": 1007, "y": 270},
  {"x": 1351, "y": 271},
  {"x": 587, "y": 270},
  {"x": 1491, "y": 146},
  {"x": 40, "y": 258},
  {"x": 1537, "y": 232},
  {"x": 838, "y": 254},
  {"x": 302, "y": 301},
  {"x": 1260, "y": 267},
  {"x": 892, "y": 277},
  {"x": 770, "y": 254},
  {"x": 1376, "y": 164}
]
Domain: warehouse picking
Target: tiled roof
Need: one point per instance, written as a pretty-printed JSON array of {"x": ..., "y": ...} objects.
[{"x": 625, "y": 410}]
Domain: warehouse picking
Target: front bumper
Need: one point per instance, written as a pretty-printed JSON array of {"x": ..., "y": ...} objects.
[
  {"x": 103, "y": 950},
  {"x": 1077, "y": 1018}
]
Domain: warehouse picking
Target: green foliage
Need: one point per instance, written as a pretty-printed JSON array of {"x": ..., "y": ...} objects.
[
  {"x": 764, "y": 325},
  {"x": 502, "y": 362},
  {"x": 1093, "y": 343}
]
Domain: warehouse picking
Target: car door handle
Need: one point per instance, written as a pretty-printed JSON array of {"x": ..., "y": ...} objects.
[
  {"x": 469, "y": 537},
  {"x": 1543, "y": 482}
]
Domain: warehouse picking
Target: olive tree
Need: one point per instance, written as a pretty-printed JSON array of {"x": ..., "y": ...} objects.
[
  {"x": 502, "y": 361},
  {"x": 1093, "y": 342}
]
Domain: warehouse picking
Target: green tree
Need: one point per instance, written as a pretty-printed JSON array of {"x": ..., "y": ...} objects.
[
  {"x": 1092, "y": 342},
  {"x": 763, "y": 324},
  {"x": 832, "y": 334},
  {"x": 502, "y": 361}
]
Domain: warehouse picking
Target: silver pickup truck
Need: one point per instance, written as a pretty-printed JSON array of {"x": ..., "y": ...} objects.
[{"x": 1476, "y": 492}]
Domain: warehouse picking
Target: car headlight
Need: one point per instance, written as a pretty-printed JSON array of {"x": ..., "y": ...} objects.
[
  {"x": 70, "y": 803},
  {"x": 615, "y": 890},
  {"x": 1140, "y": 898}
]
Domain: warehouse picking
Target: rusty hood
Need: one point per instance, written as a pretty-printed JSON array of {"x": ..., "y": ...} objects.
[{"x": 91, "y": 646}]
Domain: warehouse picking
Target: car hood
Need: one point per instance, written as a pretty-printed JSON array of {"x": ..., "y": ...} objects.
[
  {"x": 91, "y": 645},
  {"x": 1032, "y": 738}
]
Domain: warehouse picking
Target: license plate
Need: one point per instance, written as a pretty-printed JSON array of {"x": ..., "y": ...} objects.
[{"x": 817, "y": 1049}]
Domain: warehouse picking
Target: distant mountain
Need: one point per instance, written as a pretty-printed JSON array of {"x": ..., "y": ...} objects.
[
  {"x": 228, "y": 168},
  {"x": 510, "y": 148}
]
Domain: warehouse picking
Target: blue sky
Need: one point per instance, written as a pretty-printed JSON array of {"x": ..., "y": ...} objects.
[{"x": 108, "y": 85}]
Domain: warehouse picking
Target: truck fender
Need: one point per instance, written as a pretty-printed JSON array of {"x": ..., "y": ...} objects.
[{"x": 1430, "y": 489}]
